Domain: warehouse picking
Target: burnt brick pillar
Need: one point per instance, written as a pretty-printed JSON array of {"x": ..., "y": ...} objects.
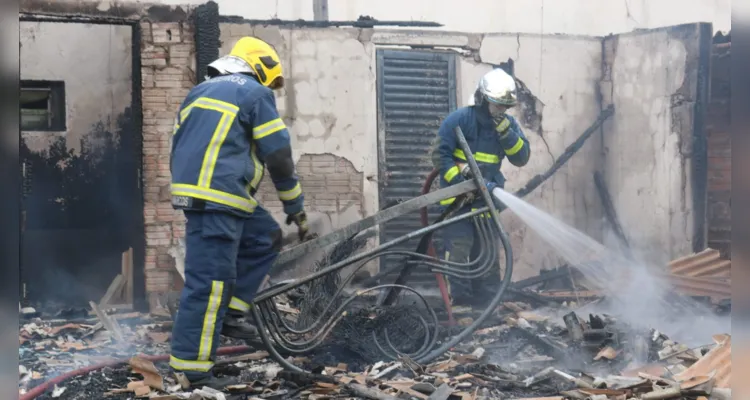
[{"x": 207, "y": 43}]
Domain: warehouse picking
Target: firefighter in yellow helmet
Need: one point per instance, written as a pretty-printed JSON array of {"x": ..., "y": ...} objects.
[{"x": 227, "y": 133}]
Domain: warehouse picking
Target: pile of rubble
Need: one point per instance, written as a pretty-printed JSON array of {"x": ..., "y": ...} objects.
[{"x": 520, "y": 354}]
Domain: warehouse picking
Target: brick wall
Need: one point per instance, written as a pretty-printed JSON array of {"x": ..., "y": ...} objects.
[
  {"x": 330, "y": 183},
  {"x": 719, "y": 153},
  {"x": 168, "y": 62}
]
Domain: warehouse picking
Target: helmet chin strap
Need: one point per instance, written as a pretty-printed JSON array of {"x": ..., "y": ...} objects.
[
  {"x": 497, "y": 118},
  {"x": 484, "y": 106}
]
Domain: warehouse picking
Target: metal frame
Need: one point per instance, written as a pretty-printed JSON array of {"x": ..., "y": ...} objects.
[
  {"x": 140, "y": 302},
  {"x": 276, "y": 334},
  {"x": 56, "y": 113}
]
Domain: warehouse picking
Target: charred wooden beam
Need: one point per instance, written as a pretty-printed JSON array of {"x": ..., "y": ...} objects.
[{"x": 569, "y": 152}]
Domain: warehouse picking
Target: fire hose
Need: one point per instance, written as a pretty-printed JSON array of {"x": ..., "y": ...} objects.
[
  {"x": 42, "y": 388},
  {"x": 431, "y": 249}
]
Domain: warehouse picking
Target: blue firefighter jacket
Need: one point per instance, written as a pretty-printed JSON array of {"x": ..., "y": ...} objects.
[
  {"x": 226, "y": 133},
  {"x": 486, "y": 144}
]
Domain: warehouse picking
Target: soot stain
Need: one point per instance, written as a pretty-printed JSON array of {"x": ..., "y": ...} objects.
[{"x": 79, "y": 213}]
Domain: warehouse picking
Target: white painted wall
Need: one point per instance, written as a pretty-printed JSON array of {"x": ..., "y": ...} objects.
[
  {"x": 95, "y": 63},
  {"x": 578, "y": 17}
]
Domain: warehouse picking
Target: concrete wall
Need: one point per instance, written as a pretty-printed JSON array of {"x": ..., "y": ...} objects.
[
  {"x": 330, "y": 107},
  {"x": 575, "y": 17},
  {"x": 649, "y": 144},
  {"x": 562, "y": 75},
  {"x": 94, "y": 62}
]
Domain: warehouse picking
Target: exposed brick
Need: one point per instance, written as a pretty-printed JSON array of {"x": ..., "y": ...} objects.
[
  {"x": 154, "y": 62},
  {"x": 180, "y": 51},
  {"x": 165, "y": 261},
  {"x": 158, "y": 242},
  {"x": 158, "y": 280},
  {"x": 166, "y": 33},
  {"x": 166, "y": 58}
]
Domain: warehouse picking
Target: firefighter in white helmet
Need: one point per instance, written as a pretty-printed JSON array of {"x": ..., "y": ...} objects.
[{"x": 492, "y": 135}]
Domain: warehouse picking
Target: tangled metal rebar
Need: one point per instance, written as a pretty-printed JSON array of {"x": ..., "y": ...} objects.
[{"x": 396, "y": 325}]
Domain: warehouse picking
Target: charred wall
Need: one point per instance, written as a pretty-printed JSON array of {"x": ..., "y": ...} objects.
[
  {"x": 102, "y": 11},
  {"x": 81, "y": 180},
  {"x": 131, "y": 146},
  {"x": 720, "y": 152},
  {"x": 655, "y": 153}
]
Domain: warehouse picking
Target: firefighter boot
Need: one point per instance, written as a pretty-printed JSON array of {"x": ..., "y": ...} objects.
[{"x": 237, "y": 326}]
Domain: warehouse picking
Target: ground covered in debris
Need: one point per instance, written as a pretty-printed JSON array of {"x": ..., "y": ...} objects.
[{"x": 520, "y": 353}]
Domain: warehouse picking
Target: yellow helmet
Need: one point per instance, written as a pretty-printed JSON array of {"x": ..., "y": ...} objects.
[{"x": 259, "y": 56}]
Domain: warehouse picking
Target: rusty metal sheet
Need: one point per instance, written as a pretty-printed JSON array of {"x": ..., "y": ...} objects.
[
  {"x": 707, "y": 263},
  {"x": 716, "y": 288},
  {"x": 702, "y": 274},
  {"x": 717, "y": 363}
]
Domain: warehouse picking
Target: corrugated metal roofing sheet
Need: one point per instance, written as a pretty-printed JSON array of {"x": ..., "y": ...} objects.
[
  {"x": 700, "y": 274},
  {"x": 703, "y": 274},
  {"x": 707, "y": 263},
  {"x": 716, "y": 363},
  {"x": 717, "y": 288}
]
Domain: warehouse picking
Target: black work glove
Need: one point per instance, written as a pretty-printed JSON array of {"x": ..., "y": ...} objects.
[
  {"x": 502, "y": 127},
  {"x": 299, "y": 219}
]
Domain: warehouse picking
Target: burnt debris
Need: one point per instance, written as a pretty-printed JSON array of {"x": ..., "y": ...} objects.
[
  {"x": 521, "y": 352},
  {"x": 363, "y": 21}
]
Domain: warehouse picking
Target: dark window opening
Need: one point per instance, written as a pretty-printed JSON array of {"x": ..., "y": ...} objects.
[{"x": 42, "y": 106}]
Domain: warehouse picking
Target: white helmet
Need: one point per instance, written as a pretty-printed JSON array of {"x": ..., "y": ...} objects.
[
  {"x": 228, "y": 65},
  {"x": 496, "y": 87}
]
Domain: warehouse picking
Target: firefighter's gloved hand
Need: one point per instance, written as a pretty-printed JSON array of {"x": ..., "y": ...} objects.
[
  {"x": 299, "y": 219},
  {"x": 502, "y": 127},
  {"x": 490, "y": 187},
  {"x": 465, "y": 170}
]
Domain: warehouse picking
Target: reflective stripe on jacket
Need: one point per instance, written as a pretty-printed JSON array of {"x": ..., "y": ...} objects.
[{"x": 226, "y": 133}]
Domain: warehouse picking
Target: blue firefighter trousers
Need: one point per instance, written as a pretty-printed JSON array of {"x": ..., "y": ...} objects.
[
  {"x": 460, "y": 246},
  {"x": 226, "y": 259}
]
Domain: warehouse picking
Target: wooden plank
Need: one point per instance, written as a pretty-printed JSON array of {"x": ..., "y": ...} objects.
[
  {"x": 127, "y": 273},
  {"x": 108, "y": 323},
  {"x": 113, "y": 289}
]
